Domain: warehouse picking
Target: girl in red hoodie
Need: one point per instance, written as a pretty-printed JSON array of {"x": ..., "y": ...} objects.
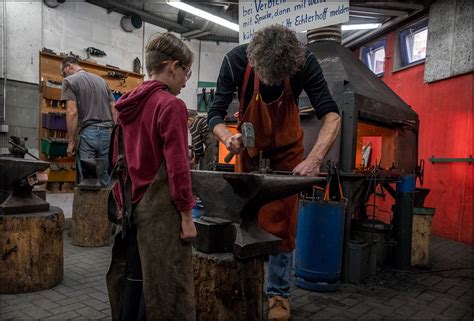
[{"x": 157, "y": 283}]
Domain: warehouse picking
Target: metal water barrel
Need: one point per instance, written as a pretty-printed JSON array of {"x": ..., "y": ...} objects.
[{"x": 319, "y": 243}]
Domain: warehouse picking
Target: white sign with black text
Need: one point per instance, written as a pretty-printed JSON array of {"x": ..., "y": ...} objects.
[{"x": 298, "y": 15}]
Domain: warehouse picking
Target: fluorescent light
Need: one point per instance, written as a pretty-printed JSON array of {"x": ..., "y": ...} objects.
[
  {"x": 361, "y": 26},
  {"x": 203, "y": 14}
]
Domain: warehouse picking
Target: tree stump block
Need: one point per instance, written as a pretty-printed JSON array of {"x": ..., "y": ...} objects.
[
  {"x": 32, "y": 251},
  {"x": 228, "y": 289},
  {"x": 90, "y": 224}
]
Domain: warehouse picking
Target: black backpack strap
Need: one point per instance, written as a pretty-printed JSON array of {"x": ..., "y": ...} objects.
[{"x": 119, "y": 173}]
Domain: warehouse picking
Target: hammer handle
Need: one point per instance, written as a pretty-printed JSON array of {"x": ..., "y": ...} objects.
[{"x": 229, "y": 156}]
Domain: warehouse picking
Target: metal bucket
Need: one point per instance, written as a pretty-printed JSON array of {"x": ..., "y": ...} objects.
[{"x": 319, "y": 243}]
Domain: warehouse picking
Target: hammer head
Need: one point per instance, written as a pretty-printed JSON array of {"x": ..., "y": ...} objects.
[{"x": 248, "y": 135}]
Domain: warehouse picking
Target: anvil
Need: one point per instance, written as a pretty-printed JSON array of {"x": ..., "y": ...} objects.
[
  {"x": 238, "y": 197},
  {"x": 15, "y": 191}
]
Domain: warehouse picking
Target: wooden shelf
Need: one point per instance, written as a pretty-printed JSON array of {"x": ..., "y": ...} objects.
[{"x": 50, "y": 69}]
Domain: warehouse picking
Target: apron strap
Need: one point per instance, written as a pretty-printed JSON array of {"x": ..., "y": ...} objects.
[
  {"x": 256, "y": 84},
  {"x": 288, "y": 86},
  {"x": 111, "y": 149},
  {"x": 248, "y": 70}
]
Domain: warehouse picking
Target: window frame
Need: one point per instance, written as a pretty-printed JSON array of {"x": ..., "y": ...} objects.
[
  {"x": 402, "y": 37},
  {"x": 382, "y": 43}
]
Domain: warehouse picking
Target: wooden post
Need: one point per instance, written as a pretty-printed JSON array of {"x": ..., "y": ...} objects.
[
  {"x": 90, "y": 224},
  {"x": 32, "y": 251},
  {"x": 421, "y": 235},
  {"x": 228, "y": 289}
]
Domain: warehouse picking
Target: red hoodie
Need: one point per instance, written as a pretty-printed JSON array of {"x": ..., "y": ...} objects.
[{"x": 155, "y": 130}]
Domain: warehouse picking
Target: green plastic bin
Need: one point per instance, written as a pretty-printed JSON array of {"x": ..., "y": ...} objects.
[{"x": 54, "y": 146}]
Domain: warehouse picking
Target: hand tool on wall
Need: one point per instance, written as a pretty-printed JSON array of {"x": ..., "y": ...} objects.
[{"x": 248, "y": 139}]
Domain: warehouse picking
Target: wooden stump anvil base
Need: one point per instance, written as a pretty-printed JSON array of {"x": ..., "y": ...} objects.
[
  {"x": 226, "y": 288},
  {"x": 32, "y": 251}
]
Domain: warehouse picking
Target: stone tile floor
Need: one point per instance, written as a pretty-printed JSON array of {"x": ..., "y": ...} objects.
[{"x": 390, "y": 295}]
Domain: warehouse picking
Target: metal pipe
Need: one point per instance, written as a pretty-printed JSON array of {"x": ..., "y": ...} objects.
[
  {"x": 197, "y": 31},
  {"x": 199, "y": 64},
  {"x": 201, "y": 34},
  {"x": 403, "y": 222},
  {"x": 146, "y": 16},
  {"x": 220, "y": 38},
  {"x": 4, "y": 60},
  {"x": 325, "y": 33}
]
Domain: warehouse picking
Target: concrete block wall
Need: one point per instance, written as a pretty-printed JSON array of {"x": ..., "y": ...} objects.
[
  {"x": 23, "y": 41},
  {"x": 74, "y": 26},
  {"x": 21, "y": 113},
  {"x": 212, "y": 55},
  {"x": 449, "y": 48}
]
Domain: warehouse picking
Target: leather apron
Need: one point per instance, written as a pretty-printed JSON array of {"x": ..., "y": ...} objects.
[
  {"x": 166, "y": 260},
  {"x": 278, "y": 134}
]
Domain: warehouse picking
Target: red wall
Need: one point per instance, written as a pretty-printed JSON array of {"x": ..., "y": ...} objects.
[{"x": 446, "y": 113}]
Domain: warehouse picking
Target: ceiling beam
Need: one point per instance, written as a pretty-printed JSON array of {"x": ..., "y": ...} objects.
[
  {"x": 362, "y": 36},
  {"x": 414, "y": 5},
  {"x": 378, "y": 11}
]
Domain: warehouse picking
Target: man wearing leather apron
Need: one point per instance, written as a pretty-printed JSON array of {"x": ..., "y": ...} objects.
[
  {"x": 269, "y": 74},
  {"x": 90, "y": 115}
]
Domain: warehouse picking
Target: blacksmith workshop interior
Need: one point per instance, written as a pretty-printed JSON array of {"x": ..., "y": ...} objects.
[{"x": 236, "y": 160}]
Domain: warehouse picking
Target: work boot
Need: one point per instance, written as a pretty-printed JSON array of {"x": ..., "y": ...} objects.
[{"x": 278, "y": 309}]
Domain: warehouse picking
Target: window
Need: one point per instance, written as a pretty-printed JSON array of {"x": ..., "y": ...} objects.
[
  {"x": 413, "y": 43},
  {"x": 374, "y": 57}
]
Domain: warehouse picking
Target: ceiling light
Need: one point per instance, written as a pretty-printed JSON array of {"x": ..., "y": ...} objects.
[
  {"x": 203, "y": 14},
  {"x": 361, "y": 26}
]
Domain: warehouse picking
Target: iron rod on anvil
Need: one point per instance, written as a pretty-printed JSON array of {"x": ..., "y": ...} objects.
[{"x": 238, "y": 197}]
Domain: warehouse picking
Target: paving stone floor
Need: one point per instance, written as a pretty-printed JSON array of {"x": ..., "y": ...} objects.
[{"x": 390, "y": 295}]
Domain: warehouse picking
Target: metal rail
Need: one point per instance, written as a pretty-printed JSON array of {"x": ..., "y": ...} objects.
[{"x": 434, "y": 159}]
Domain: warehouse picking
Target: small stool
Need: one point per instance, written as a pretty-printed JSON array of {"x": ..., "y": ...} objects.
[
  {"x": 32, "y": 251},
  {"x": 90, "y": 224}
]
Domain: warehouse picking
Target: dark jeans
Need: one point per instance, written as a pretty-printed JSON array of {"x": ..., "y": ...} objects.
[{"x": 133, "y": 306}]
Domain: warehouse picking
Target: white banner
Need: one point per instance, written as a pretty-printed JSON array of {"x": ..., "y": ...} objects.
[{"x": 298, "y": 15}]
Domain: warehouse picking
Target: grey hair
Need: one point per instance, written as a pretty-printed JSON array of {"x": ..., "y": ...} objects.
[{"x": 275, "y": 52}]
